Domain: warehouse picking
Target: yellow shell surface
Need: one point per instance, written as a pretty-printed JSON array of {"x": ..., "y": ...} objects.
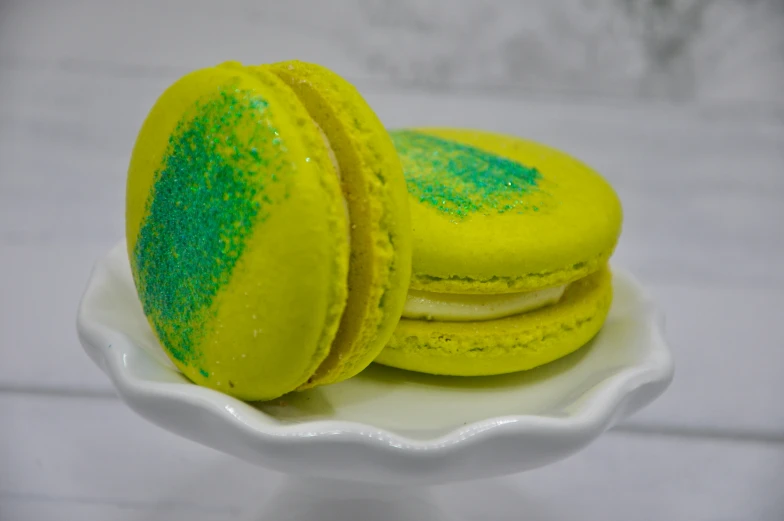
[
  {"x": 496, "y": 214},
  {"x": 237, "y": 233}
]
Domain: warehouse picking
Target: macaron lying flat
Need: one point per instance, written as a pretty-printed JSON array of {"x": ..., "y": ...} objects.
[
  {"x": 511, "y": 243},
  {"x": 267, "y": 228}
]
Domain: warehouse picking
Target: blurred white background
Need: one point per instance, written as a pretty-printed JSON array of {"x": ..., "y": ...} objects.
[
  {"x": 682, "y": 50},
  {"x": 679, "y": 103}
]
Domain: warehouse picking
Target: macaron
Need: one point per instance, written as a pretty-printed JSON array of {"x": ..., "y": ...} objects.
[
  {"x": 267, "y": 228},
  {"x": 510, "y": 258}
]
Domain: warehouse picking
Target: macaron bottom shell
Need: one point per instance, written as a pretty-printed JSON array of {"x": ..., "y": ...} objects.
[
  {"x": 506, "y": 345},
  {"x": 376, "y": 198}
]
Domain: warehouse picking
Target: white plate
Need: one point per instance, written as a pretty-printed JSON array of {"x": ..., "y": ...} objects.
[{"x": 387, "y": 425}]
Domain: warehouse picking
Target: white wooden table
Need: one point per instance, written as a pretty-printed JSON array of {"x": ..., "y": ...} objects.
[{"x": 703, "y": 192}]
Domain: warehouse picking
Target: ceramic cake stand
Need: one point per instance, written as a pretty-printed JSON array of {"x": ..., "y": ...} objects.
[{"x": 388, "y": 426}]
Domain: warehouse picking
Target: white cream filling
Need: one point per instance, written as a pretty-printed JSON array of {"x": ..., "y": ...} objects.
[
  {"x": 457, "y": 307},
  {"x": 334, "y": 160},
  {"x": 330, "y": 150}
]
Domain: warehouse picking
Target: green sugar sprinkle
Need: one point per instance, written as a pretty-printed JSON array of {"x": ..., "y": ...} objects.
[
  {"x": 459, "y": 179},
  {"x": 222, "y": 172}
]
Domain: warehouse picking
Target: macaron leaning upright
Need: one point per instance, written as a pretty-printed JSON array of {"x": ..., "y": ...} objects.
[
  {"x": 267, "y": 228},
  {"x": 510, "y": 261}
]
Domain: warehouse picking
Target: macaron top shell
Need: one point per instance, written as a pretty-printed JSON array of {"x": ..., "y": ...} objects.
[
  {"x": 498, "y": 214},
  {"x": 237, "y": 232}
]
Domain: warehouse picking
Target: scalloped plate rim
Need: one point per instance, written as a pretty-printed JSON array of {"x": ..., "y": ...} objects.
[{"x": 608, "y": 396}]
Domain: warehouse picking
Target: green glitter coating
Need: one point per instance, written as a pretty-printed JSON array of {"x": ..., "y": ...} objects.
[
  {"x": 459, "y": 179},
  {"x": 219, "y": 177}
]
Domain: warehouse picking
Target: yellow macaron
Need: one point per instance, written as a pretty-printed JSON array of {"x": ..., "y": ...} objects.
[
  {"x": 511, "y": 243},
  {"x": 267, "y": 228}
]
